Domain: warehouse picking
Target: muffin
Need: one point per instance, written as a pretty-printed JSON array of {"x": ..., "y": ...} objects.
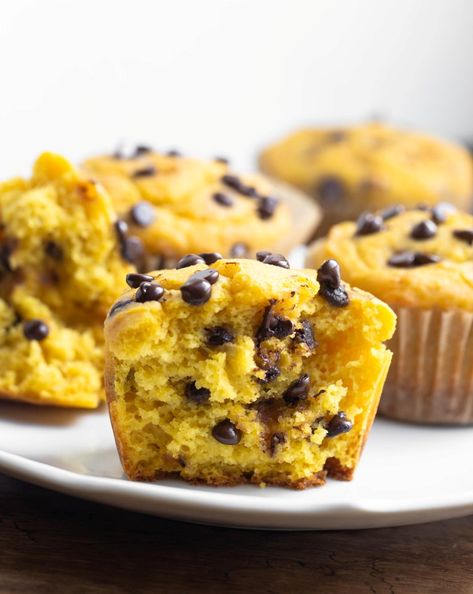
[
  {"x": 420, "y": 262},
  {"x": 60, "y": 270},
  {"x": 243, "y": 371},
  {"x": 369, "y": 167},
  {"x": 179, "y": 205}
]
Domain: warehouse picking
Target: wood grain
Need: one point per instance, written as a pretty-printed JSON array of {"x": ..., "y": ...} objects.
[{"x": 50, "y": 543}]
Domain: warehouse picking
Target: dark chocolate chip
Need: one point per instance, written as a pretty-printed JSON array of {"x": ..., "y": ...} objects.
[
  {"x": 197, "y": 395},
  {"x": 223, "y": 160},
  {"x": 119, "y": 305},
  {"x": 235, "y": 183},
  {"x": 271, "y": 373},
  {"x": 149, "y": 292},
  {"x": 330, "y": 190},
  {"x": 441, "y": 211},
  {"x": 145, "y": 172},
  {"x": 134, "y": 279},
  {"x": 5, "y": 253},
  {"x": 424, "y": 230},
  {"x": 275, "y": 440},
  {"x": 272, "y": 259},
  {"x": 337, "y": 136},
  {"x": 218, "y": 335},
  {"x": 305, "y": 335},
  {"x": 266, "y": 207},
  {"x": 121, "y": 228},
  {"x": 132, "y": 249},
  {"x": 338, "y": 424},
  {"x": 239, "y": 250},
  {"x": 210, "y": 275},
  {"x": 211, "y": 257},
  {"x": 196, "y": 291},
  {"x": 408, "y": 259},
  {"x": 173, "y": 153},
  {"x": 392, "y": 211},
  {"x": 298, "y": 390},
  {"x": 227, "y": 433},
  {"x": 54, "y": 250},
  {"x": 222, "y": 199},
  {"x": 142, "y": 149},
  {"x": 127, "y": 152},
  {"x": 273, "y": 325},
  {"x": 465, "y": 235},
  {"x": 190, "y": 260},
  {"x": 331, "y": 289},
  {"x": 35, "y": 330},
  {"x": 423, "y": 259},
  {"x": 142, "y": 214},
  {"x": 368, "y": 224}
]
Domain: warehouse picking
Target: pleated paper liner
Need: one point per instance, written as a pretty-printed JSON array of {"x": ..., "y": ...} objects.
[{"x": 431, "y": 376}]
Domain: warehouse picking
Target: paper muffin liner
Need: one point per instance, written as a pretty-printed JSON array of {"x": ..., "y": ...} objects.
[{"x": 431, "y": 376}]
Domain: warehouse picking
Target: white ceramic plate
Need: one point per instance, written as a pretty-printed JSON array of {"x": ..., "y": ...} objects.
[{"x": 407, "y": 475}]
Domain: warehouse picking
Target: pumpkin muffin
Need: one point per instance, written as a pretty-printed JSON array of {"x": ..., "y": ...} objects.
[
  {"x": 236, "y": 371},
  {"x": 60, "y": 270},
  {"x": 420, "y": 262},
  {"x": 179, "y": 205},
  {"x": 369, "y": 167}
]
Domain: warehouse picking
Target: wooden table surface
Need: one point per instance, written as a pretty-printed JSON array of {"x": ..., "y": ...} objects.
[{"x": 52, "y": 543}]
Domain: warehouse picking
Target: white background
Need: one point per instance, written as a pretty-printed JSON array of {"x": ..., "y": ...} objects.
[{"x": 224, "y": 76}]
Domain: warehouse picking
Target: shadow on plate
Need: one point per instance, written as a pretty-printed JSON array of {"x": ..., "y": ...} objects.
[{"x": 29, "y": 414}]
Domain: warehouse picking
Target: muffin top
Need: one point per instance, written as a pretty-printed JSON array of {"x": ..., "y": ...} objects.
[
  {"x": 417, "y": 258},
  {"x": 177, "y": 204},
  {"x": 371, "y": 166}
]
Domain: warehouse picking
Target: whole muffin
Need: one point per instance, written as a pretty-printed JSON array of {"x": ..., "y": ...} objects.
[
  {"x": 241, "y": 371},
  {"x": 179, "y": 205},
  {"x": 420, "y": 262},
  {"x": 369, "y": 167}
]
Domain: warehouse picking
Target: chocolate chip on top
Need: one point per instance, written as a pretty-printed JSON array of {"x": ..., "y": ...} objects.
[
  {"x": 305, "y": 335},
  {"x": 331, "y": 288},
  {"x": 266, "y": 207},
  {"x": 149, "y": 292},
  {"x": 223, "y": 199},
  {"x": 211, "y": 275},
  {"x": 408, "y": 259},
  {"x": 273, "y": 325},
  {"x": 145, "y": 172},
  {"x": 35, "y": 330},
  {"x": 465, "y": 235},
  {"x": 368, "y": 223},
  {"x": 211, "y": 257},
  {"x": 195, "y": 394},
  {"x": 190, "y": 260},
  {"x": 142, "y": 214},
  {"x": 54, "y": 250},
  {"x": 127, "y": 152},
  {"x": 424, "y": 230},
  {"x": 441, "y": 211},
  {"x": 223, "y": 160},
  {"x": 338, "y": 424},
  {"x": 134, "y": 279},
  {"x": 392, "y": 211},
  {"x": 330, "y": 190},
  {"x": 235, "y": 183},
  {"x": 173, "y": 153},
  {"x": 196, "y": 290},
  {"x": 272, "y": 259},
  {"x": 226, "y": 433},
  {"x": 298, "y": 390},
  {"x": 218, "y": 336},
  {"x": 131, "y": 248}
]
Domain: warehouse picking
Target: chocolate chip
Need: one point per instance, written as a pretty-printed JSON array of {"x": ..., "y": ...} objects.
[
  {"x": 149, "y": 292},
  {"x": 392, "y": 211},
  {"x": 54, "y": 250},
  {"x": 465, "y": 235},
  {"x": 142, "y": 214},
  {"x": 134, "y": 279},
  {"x": 424, "y": 230},
  {"x": 190, "y": 260},
  {"x": 330, "y": 190},
  {"x": 441, "y": 211},
  {"x": 223, "y": 160},
  {"x": 131, "y": 248},
  {"x": 337, "y": 136},
  {"x": 275, "y": 440},
  {"x": 239, "y": 250},
  {"x": 142, "y": 149},
  {"x": 222, "y": 199},
  {"x": 271, "y": 373},
  {"x": 338, "y": 424},
  {"x": 197, "y": 395},
  {"x": 173, "y": 153},
  {"x": 121, "y": 228},
  {"x": 273, "y": 325},
  {"x": 119, "y": 305},
  {"x": 218, "y": 335},
  {"x": 35, "y": 330},
  {"x": 196, "y": 291},
  {"x": 235, "y": 183},
  {"x": 408, "y": 259},
  {"x": 298, "y": 390},
  {"x": 211, "y": 257},
  {"x": 145, "y": 172},
  {"x": 305, "y": 335},
  {"x": 127, "y": 152},
  {"x": 368, "y": 224},
  {"x": 227, "y": 433},
  {"x": 272, "y": 259},
  {"x": 331, "y": 289},
  {"x": 210, "y": 275},
  {"x": 266, "y": 207}
]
